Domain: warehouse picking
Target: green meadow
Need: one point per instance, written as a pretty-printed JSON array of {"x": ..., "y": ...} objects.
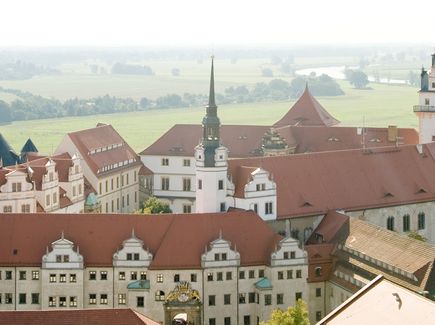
[{"x": 381, "y": 106}]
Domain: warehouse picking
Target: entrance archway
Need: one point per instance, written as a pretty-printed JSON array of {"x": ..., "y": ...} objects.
[{"x": 183, "y": 300}]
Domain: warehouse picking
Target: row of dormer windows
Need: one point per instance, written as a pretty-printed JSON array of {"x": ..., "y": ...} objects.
[{"x": 106, "y": 148}]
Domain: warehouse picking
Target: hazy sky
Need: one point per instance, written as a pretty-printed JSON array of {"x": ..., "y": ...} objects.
[{"x": 210, "y": 23}]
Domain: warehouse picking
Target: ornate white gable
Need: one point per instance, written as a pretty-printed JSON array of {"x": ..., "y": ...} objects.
[
  {"x": 132, "y": 253},
  {"x": 220, "y": 254},
  {"x": 288, "y": 253},
  {"x": 62, "y": 256}
]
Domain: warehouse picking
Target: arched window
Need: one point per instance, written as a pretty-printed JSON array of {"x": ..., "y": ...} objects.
[
  {"x": 421, "y": 221},
  {"x": 318, "y": 271},
  {"x": 390, "y": 223}
]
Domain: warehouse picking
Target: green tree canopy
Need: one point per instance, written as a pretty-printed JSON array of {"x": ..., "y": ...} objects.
[
  {"x": 296, "y": 315},
  {"x": 153, "y": 206},
  {"x": 357, "y": 78}
]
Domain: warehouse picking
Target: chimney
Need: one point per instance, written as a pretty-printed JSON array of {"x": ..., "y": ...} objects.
[{"x": 392, "y": 133}]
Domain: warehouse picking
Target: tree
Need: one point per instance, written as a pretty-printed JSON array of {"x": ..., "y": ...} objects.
[
  {"x": 415, "y": 235},
  {"x": 153, "y": 205},
  {"x": 5, "y": 112},
  {"x": 267, "y": 72},
  {"x": 357, "y": 78},
  {"x": 297, "y": 315},
  {"x": 144, "y": 103}
]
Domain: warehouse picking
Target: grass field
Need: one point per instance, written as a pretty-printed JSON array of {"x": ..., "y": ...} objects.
[{"x": 381, "y": 106}]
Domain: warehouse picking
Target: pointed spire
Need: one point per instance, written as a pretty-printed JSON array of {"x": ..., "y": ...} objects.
[
  {"x": 132, "y": 233},
  {"x": 211, "y": 95}
]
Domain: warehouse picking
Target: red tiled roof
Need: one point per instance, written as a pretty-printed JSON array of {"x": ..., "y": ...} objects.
[
  {"x": 315, "y": 183},
  {"x": 245, "y": 140},
  {"x": 307, "y": 111},
  {"x": 76, "y": 317},
  {"x": 331, "y": 224},
  {"x": 244, "y": 176},
  {"x": 145, "y": 171},
  {"x": 103, "y": 136},
  {"x": 176, "y": 241}
]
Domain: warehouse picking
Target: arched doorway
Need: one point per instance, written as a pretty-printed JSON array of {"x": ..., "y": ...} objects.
[{"x": 183, "y": 303}]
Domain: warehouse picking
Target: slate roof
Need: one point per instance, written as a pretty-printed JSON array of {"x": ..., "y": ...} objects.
[
  {"x": 29, "y": 146},
  {"x": 307, "y": 111},
  {"x": 7, "y": 155},
  {"x": 124, "y": 316},
  {"x": 176, "y": 241},
  {"x": 349, "y": 179}
]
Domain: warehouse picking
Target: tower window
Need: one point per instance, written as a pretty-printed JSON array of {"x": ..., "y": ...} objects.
[
  {"x": 223, "y": 208},
  {"x": 268, "y": 208},
  {"x": 221, "y": 184},
  {"x": 199, "y": 184}
]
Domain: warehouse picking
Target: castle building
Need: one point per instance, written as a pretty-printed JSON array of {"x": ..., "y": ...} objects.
[
  {"x": 173, "y": 161},
  {"x": 43, "y": 184},
  {"x": 109, "y": 164},
  {"x": 200, "y": 265},
  {"x": 425, "y": 109}
]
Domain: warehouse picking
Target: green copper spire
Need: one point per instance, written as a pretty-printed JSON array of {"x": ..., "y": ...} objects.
[{"x": 211, "y": 97}]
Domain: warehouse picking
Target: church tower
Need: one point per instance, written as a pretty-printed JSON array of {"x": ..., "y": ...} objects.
[
  {"x": 211, "y": 160},
  {"x": 425, "y": 109}
]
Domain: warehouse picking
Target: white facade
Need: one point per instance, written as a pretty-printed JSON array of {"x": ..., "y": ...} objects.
[
  {"x": 225, "y": 288},
  {"x": 17, "y": 194}
]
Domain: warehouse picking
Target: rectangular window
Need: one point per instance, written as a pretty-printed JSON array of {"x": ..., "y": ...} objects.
[
  {"x": 128, "y": 199},
  {"x": 8, "y": 275},
  {"x": 122, "y": 298},
  {"x": 251, "y": 297},
  {"x": 25, "y": 208},
  {"x": 186, "y": 184},
  {"x": 251, "y": 274},
  {"x": 35, "y": 275},
  {"x": 8, "y": 298},
  {"x": 73, "y": 301},
  {"x": 165, "y": 183},
  {"x": 121, "y": 275},
  {"x": 318, "y": 316},
  {"x": 187, "y": 208},
  {"x": 267, "y": 299},
  {"x": 318, "y": 292},
  {"x": 298, "y": 273},
  {"x": 289, "y": 274},
  {"x": 111, "y": 184},
  {"x": 223, "y": 207},
  {"x": 16, "y": 187},
  {"x": 193, "y": 277},
  {"x": 426, "y": 101},
  {"x": 103, "y": 275},
  {"x": 165, "y": 161},
  {"x": 227, "y": 299},
  {"x": 219, "y": 276},
  {"x": 22, "y": 275},
  {"x": 62, "y": 278},
  {"x": 92, "y": 275},
  {"x": 421, "y": 221},
  {"x": 103, "y": 299},
  {"x": 7, "y": 209},
  {"x": 159, "y": 278},
  {"x": 255, "y": 207},
  {"x": 129, "y": 256},
  {"x": 261, "y": 273},
  {"x": 241, "y": 275},
  {"x": 298, "y": 295},
  {"x": 35, "y": 298},
  {"x": 390, "y": 223},
  {"x": 22, "y": 298},
  {"x": 199, "y": 184},
  {"x": 186, "y": 162},
  {"x": 73, "y": 278},
  {"x": 176, "y": 278},
  {"x": 62, "y": 301},
  {"x": 279, "y": 298},
  {"x": 268, "y": 208},
  {"x": 212, "y": 300},
  {"x": 280, "y": 275},
  {"x": 92, "y": 299},
  {"x": 47, "y": 199},
  {"x": 406, "y": 223},
  {"x": 229, "y": 276},
  {"x": 133, "y": 275},
  {"x": 51, "y": 301},
  {"x": 140, "y": 302},
  {"x": 135, "y": 176},
  {"x": 53, "y": 278},
  {"x": 220, "y": 184},
  {"x": 227, "y": 320},
  {"x": 212, "y": 321},
  {"x": 242, "y": 298},
  {"x": 143, "y": 275},
  {"x": 136, "y": 256},
  {"x": 246, "y": 320},
  {"x": 209, "y": 276}
]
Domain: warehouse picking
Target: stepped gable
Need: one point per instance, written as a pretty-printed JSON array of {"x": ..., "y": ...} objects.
[
  {"x": 348, "y": 179},
  {"x": 103, "y": 146},
  {"x": 307, "y": 111},
  {"x": 116, "y": 316},
  {"x": 168, "y": 237}
]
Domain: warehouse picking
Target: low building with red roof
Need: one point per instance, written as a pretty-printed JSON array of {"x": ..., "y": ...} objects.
[
  {"x": 214, "y": 267},
  {"x": 109, "y": 164}
]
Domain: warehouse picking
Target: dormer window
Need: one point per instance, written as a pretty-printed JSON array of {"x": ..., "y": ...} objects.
[
  {"x": 224, "y": 256},
  {"x": 50, "y": 176},
  {"x": 16, "y": 187},
  {"x": 217, "y": 257},
  {"x": 261, "y": 187}
]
